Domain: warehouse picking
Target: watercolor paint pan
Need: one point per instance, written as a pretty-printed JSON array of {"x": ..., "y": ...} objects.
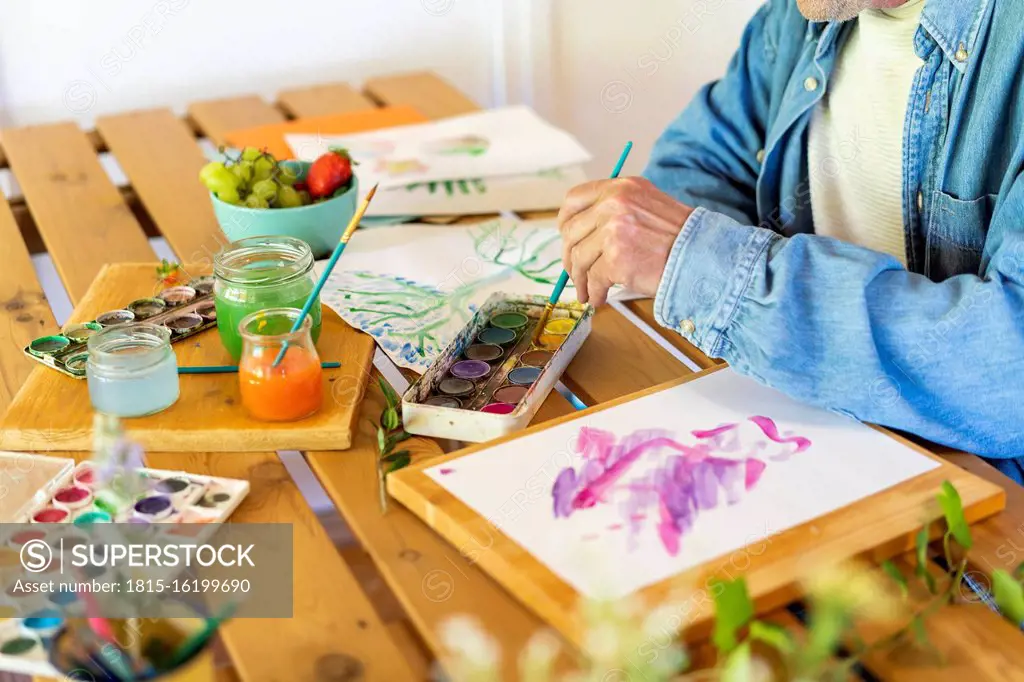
[
  {"x": 467, "y": 393},
  {"x": 185, "y": 310},
  {"x": 196, "y": 500},
  {"x": 189, "y": 498}
]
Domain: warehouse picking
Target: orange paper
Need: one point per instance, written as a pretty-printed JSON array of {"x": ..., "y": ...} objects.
[{"x": 271, "y": 136}]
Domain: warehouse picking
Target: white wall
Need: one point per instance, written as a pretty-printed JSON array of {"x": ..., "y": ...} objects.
[
  {"x": 624, "y": 68},
  {"x": 62, "y": 59},
  {"x": 607, "y": 70}
]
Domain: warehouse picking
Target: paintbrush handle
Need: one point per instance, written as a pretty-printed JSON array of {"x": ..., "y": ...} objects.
[
  {"x": 230, "y": 369},
  {"x": 563, "y": 279}
]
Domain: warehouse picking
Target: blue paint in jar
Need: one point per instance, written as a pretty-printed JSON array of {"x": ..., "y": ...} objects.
[{"x": 132, "y": 371}]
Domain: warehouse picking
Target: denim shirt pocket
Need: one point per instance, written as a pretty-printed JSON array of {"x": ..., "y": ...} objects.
[{"x": 956, "y": 235}]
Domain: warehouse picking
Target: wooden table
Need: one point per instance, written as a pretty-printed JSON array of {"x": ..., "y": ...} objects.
[{"x": 380, "y": 602}]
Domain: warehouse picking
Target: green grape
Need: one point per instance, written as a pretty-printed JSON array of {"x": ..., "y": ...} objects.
[
  {"x": 265, "y": 189},
  {"x": 263, "y": 167},
  {"x": 242, "y": 171},
  {"x": 210, "y": 170},
  {"x": 307, "y": 199},
  {"x": 287, "y": 174},
  {"x": 254, "y": 201},
  {"x": 287, "y": 197},
  {"x": 223, "y": 183},
  {"x": 251, "y": 154}
]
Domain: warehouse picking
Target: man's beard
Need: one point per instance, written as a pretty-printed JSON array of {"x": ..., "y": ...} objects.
[{"x": 835, "y": 10}]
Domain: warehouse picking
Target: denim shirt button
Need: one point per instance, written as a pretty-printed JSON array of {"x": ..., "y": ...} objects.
[
  {"x": 761, "y": 155},
  {"x": 811, "y": 84},
  {"x": 687, "y": 327}
]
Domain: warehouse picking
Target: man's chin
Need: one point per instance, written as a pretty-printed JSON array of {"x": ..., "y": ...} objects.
[{"x": 831, "y": 10}]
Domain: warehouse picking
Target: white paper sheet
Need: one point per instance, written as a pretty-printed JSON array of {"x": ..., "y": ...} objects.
[
  {"x": 765, "y": 479},
  {"x": 533, "y": 192},
  {"x": 492, "y": 143},
  {"x": 413, "y": 287}
]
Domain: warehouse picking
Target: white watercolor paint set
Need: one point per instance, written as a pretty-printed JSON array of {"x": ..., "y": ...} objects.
[{"x": 494, "y": 376}]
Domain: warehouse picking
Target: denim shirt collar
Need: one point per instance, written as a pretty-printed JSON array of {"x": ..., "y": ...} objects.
[{"x": 953, "y": 24}]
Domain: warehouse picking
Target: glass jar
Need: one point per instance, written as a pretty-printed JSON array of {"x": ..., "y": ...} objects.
[
  {"x": 257, "y": 273},
  {"x": 132, "y": 370},
  {"x": 294, "y": 388}
]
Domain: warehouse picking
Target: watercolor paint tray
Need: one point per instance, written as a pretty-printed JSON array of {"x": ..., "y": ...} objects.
[
  {"x": 186, "y": 310},
  {"x": 492, "y": 378},
  {"x": 52, "y": 412},
  {"x": 195, "y": 500},
  {"x": 649, "y": 496}
]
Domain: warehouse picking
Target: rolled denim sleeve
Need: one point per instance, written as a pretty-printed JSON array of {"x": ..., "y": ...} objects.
[{"x": 709, "y": 268}]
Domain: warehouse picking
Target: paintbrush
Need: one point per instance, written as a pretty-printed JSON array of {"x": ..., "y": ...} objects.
[
  {"x": 563, "y": 279},
  {"x": 229, "y": 369},
  {"x": 196, "y": 642},
  {"x": 338, "y": 250}
]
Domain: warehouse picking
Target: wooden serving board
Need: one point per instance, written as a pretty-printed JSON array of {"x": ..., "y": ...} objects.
[
  {"x": 53, "y": 412},
  {"x": 876, "y": 528}
]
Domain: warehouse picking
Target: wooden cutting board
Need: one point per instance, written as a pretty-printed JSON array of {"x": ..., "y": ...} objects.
[{"x": 53, "y": 412}]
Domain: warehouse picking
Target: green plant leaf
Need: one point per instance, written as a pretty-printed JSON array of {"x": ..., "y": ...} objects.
[
  {"x": 733, "y": 610},
  {"x": 919, "y": 631},
  {"x": 400, "y": 462},
  {"x": 953, "y": 510},
  {"x": 1009, "y": 596},
  {"x": 396, "y": 438},
  {"x": 390, "y": 419},
  {"x": 382, "y": 441},
  {"x": 921, "y": 570},
  {"x": 773, "y": 635},
  {"x": 1018, "y": 572},
  {"x": 389, "y": 393},
  {"x": 395, "y": 455},
  {"x": 894, "y": 572},
  {"x": 738, "y": 666}
]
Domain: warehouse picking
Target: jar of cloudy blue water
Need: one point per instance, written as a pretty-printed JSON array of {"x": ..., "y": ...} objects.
[{"x": 132, "y": 370}]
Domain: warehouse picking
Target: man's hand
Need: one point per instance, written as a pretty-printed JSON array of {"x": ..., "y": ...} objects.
[{"x": 618, "y": 232}]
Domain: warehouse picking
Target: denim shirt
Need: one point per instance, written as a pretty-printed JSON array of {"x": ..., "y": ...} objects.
[{"x": 935, "y": 348}]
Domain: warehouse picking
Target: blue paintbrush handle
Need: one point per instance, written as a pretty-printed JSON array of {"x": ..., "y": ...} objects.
[{"x": 563, "y": 279}]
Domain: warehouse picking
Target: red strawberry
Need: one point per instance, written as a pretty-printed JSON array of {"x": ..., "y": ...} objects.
[{"x": 329, "y": 173}]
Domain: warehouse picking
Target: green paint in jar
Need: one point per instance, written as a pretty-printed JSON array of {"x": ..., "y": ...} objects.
[{"x": 258, "y": 273}]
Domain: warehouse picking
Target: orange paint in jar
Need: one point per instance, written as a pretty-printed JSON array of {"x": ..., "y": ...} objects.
[{"x": 294, "y": 389}]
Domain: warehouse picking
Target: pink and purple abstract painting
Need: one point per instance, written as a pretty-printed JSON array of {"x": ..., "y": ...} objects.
[
  {"x": 711, "y": 470},
  {"x": 677, "y": 481}
]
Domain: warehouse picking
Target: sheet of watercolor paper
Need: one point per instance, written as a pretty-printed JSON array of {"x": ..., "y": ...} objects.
[
  {"x": 532, "y": 192},
  {"x": 414, "y": 287},
  {"x": 492, "y": 143},
  {"x": 622, "y": 499}
]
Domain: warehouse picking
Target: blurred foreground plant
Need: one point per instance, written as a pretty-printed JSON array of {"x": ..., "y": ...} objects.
[{"x": 624, "y": 642}]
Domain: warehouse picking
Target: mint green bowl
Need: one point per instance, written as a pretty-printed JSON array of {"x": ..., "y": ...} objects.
[{"x": 320, "y": 225}]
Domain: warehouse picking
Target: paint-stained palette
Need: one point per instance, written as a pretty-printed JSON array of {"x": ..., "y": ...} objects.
[
  {"x": 76, "y": 497},
  {"x": 492, "y": 379},
  {"x": 186, "y": 310}
]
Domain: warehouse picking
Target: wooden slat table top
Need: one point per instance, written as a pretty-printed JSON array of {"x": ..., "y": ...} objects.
[
  {"x": 24, "y": 311},
  {"x": 433, "y": 96},
  {"x": 159, "y": 154},
  {"x": 79, "y": 212},
  {"x": 216, "y": 118},
  {"x": 432, "y": 579},
  {"x": 321, "y": 100},
  {"x": 332, "y": 617}
]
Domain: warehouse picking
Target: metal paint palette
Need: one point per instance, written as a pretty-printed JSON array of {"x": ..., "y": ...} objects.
[
  {"x": 492, "y": 378},
  {"x": 185, "y": 310}
]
